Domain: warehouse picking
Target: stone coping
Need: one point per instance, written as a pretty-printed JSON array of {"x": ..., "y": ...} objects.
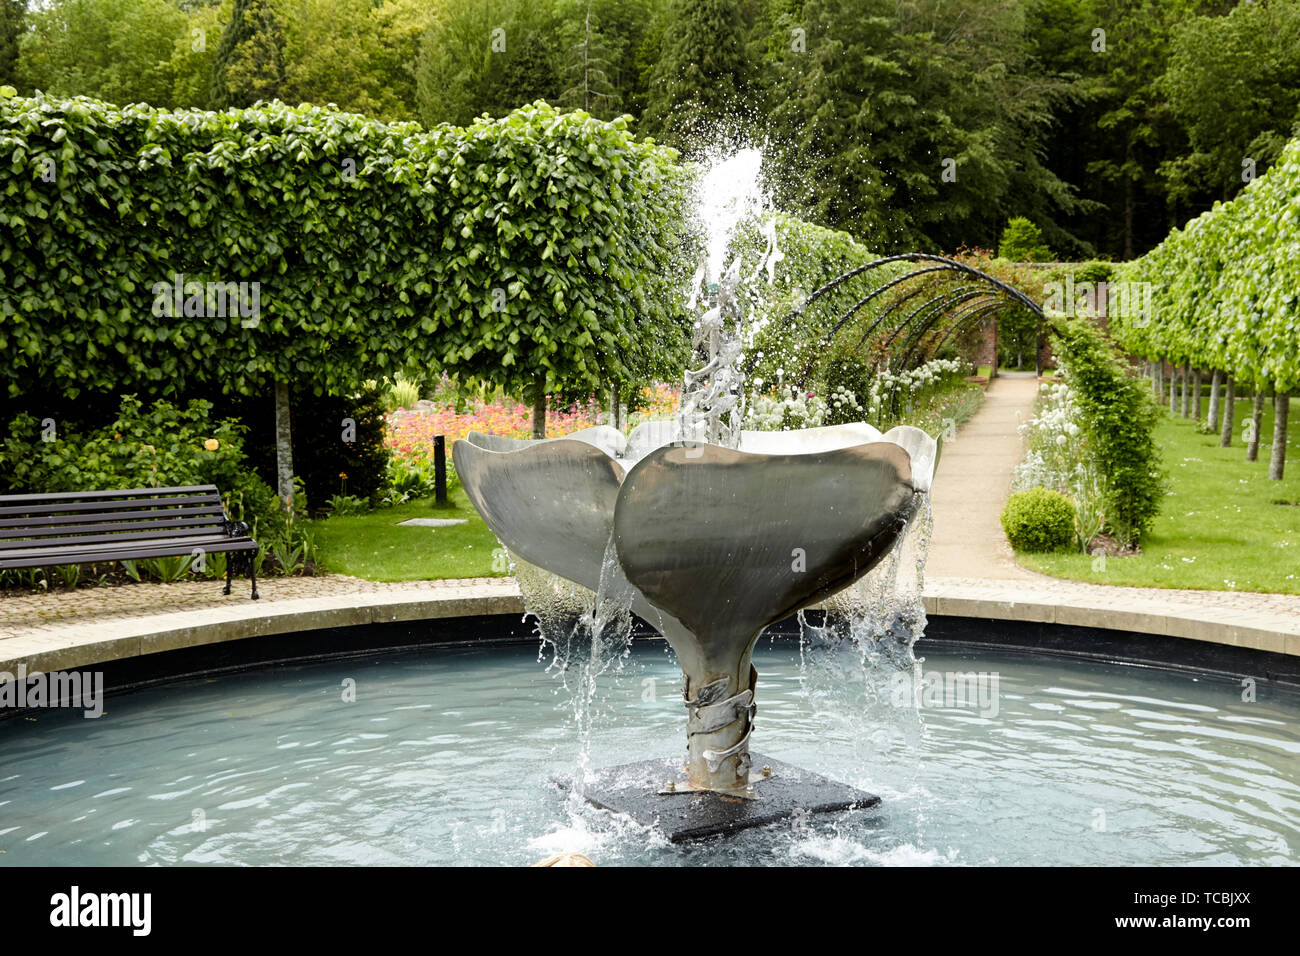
[{"x": 1272, "y": 625}]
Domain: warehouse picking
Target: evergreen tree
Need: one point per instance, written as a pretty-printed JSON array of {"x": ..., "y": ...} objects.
[
  {"x": 250, "y": 60},
  {"x": 11, "y": 27},
  {"x": 480, "y": 58},
  {"x": 586, "y": 64},
  {"x": 698, "y": 84},
  {"x": 1022, "y": 241}
]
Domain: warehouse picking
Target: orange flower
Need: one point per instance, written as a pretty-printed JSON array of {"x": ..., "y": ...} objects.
[{"x": 211, "y": 444}]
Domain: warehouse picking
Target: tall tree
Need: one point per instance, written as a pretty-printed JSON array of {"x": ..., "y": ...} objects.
[
  {"x": 250, "y": 61},
  {"x": 486, "y": 57},
  {"x": 12, "y": 13},
  {"x": 114, "y": 50},
  {"x": 698, "y": 83},
  {"x": 1233, "y": 82},
  {"x": 585, "y": 69}
]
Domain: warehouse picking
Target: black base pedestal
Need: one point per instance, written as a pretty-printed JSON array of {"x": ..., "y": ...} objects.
[{"x": 634, "y": 788}]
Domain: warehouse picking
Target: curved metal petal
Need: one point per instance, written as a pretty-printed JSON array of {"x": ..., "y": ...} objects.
[
  {"x": 551, "y": 502},
  {"x": 648, "y": 436},
  {"x": 728, "y": 542},
  {"x": 799, "y": 441},
  {"x": 605, "y": 437},
  {"x": 923, "y": 450}
]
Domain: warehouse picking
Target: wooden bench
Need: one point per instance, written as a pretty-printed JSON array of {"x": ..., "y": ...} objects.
[{"x": 85, "y": 527}]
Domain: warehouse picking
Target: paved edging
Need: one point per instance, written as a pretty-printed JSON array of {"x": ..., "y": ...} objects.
[
  {"x": 998, "y": 600},
  {"x": 89, "y": 643},
  {"x": 85, "y": 644}
]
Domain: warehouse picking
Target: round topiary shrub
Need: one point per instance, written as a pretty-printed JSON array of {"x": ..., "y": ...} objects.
[{"x": 1039, "y": 520}]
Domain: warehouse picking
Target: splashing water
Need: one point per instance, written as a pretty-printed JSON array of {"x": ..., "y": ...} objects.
[
  {"x": 586, "y": 636},
  {"x": 731, "y": 191},
  {"x": 858, "y": 669}
]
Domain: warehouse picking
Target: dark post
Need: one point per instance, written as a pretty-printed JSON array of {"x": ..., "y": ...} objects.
[{"x": 440, "y": 469}]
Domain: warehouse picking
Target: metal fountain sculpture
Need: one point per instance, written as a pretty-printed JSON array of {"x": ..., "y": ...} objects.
[{"x": 708, "y": 531}]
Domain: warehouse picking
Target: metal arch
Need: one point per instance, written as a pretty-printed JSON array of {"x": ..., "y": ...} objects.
[
  {"x": 944, "y": 304},
  {"x": 953, "y": 265},
  {"x": 962, "y": 294},
  {"x": 961, "y": 318},
  {"x": 861, "y": 303},
  {"x": 893, "y": 306},
  {"x": 944, "y": 265},
  {"x": 956, "y": 299},
  {"x": 859, "y": 306}
]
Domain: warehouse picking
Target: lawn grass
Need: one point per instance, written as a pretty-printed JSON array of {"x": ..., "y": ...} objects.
[
  {"x": 1219, "y": 527},
  {"x": 374, "y": 547}
]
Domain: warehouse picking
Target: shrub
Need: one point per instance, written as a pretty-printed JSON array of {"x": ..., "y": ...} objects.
[
  {"x": 1119, "y": 420},
  {"x": 1039, "y": 520},
  {"x": 544, "y": 245},
  {"x": 162, "y": 446},
  {"x": 1022, "y": 241}
]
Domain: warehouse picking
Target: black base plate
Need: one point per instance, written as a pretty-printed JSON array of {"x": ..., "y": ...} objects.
[{"x": 633, "y": 789}]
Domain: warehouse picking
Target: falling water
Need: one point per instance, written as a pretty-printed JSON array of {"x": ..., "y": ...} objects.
[{"x": 858, "y": 668}]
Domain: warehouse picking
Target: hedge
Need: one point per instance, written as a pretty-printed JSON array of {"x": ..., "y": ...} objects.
[{"x": 542, "y": 244}]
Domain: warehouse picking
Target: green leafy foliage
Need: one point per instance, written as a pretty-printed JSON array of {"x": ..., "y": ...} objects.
[
  {"x": 1118, "y": 421},
  {"x": 1022, "y": 241},
  {"x": 347, "y": 505},
  {"x": 162, "y": 446},
  {"x": 1225, "y": 286},
  {"x": 117, "y": 49},
  {"x": 250, "y": 61},
  {"x": 1039, "y": 519},
  {"x": 11, "y": 28},
  {"x": 542, "y": 244}
]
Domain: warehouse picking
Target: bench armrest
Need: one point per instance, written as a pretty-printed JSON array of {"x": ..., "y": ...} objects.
[{"x": 236, "y": 529}]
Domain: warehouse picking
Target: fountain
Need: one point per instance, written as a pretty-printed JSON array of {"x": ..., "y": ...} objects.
[{"x": 710, "y": 533}]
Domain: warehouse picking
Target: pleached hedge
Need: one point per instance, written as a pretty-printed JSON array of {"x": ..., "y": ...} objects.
[{"x": 164, "y": 250}]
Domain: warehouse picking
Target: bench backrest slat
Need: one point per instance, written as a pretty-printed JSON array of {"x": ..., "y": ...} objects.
[
  {"x": 63, "y": 544},
  {"x": 64, "y": 522},
  {"x": 11, "y": 537},
  {"x": 34, "y": 510},
  {"x": 43, "y": 521},
  {"x": 101, "y": 495}
]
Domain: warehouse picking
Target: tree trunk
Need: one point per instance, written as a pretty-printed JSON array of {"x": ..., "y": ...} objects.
[
  {"x": 1173, "y": 389},
  {"x": 1187, "y": 371},
  {"x": 1225, "y": 432},
  {"x": 1196, "y": 394},
  {"x": 539, "y": 407},
  {"x": 613, "y": 408},
  {"x": 283, "y": 447},
  {"x": 1216, "y": 381},
  {"x": 1281, "y": 411},
  {"x": 1256, "y": 416}
]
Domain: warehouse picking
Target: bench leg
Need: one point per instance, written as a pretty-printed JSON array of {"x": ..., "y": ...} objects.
[
  {"x": 252, "y": 573},
  {"x": 230, "y": 568}
]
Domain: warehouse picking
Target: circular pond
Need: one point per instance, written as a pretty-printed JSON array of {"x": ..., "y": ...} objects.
[{"x": 447, "y": 756}]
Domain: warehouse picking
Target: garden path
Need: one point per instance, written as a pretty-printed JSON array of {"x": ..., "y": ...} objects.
[{"x": 972, "y": 484}]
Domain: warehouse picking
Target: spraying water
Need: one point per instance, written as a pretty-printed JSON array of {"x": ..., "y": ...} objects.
[{"x": 731, "y": 192}]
